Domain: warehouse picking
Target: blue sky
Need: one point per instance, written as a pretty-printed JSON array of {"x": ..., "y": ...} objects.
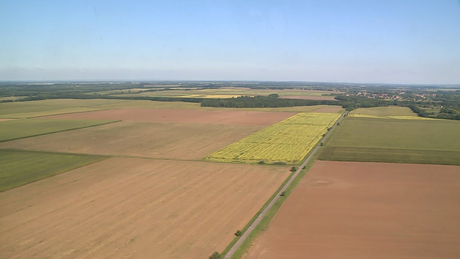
[{"x": 335, "y": 41}]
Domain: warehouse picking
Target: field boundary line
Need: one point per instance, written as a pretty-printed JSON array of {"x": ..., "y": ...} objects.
[
  {"x": 47, "y": 133},
  {"x": 245, "y": 235}
]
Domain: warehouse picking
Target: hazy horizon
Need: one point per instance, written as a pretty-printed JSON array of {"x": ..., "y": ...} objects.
[{"x": 380, "y": 42}]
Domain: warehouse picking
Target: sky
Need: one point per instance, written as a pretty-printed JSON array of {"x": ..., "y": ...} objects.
[{"x": 403, "y": 42}]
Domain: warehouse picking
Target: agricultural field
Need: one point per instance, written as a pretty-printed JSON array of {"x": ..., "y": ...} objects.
[
  {"x": 31, "y": 109},
  {"x": 288, "y": 141},
  {"x": 17, "y": 129},
  {"x": 390, "y": 112},
  {"x": 21, "y": 167},
  {"x": 384, "y": 111},
  {"x": 140, "y": 139},
  {"x": 398, "y": 141},
  {"x": 130, "y": 208},
  {"x": 226, "y": 117},
  {"x": 367, "y": 210}
]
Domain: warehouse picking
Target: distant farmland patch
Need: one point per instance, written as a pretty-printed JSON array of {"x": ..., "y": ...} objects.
[
  {"x": 390, "y": 140},
  {"x": 288, "y": 141},
  {"x": 31, "y": 109},
  {"x": 21, "y": 167},
  {"x": 16, "y": 129},
  {"x": 390, "y": 112},
  {"x": 140, "y": 139},
  {"x": 384, "y": 111}
]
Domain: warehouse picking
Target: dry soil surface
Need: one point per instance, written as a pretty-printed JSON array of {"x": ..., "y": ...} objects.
[
  {"x": 134, "y": 208},
  {"x": 183, "y": 116},
  {"x": 368, "y": 210}
]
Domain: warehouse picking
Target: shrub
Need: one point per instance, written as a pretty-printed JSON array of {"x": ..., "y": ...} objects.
[
  {"x": 279, "y": 163},
  {"x": 238, "y": 233},
  {"x": 283, "y": 193},
  {"x": 261, "y": 162},
  {"x": 215, "y": 255},
  {"x": 293, "y": 169}
]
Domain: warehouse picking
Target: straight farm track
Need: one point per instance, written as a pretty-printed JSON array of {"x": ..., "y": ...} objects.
[{"x": 129, "y": 207}]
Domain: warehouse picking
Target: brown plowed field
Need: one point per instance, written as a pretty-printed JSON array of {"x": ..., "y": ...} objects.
[
  {"x": 140, "y": 139},
  {"x": 183, "y": 116},
  {"x": 368, "y": 210},
  {"x": 134, "y": 208}
]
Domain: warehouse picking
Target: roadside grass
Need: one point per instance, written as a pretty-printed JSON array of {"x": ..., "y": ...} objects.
[
  {"x": 398, "y": 141},
  {"x": 20, "y": 167},
  {"x": 17, "y": 129}
]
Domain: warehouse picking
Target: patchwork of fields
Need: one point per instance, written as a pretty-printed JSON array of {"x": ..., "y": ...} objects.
[
  {"x": 120, "y": 206},
  {"x": 234, "y": 92},
  {"x": 367, "y": 210},
  {"x": 140, "y": 139},
  {"x": 288, "y": 141},
  {"x": 129, "y": 180},
  {"x": 31, "y": 109},
  {"x": 129, "y": 207}
]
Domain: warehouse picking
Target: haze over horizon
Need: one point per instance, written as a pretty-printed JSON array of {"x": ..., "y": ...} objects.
[{"x": 394, "y": 42}]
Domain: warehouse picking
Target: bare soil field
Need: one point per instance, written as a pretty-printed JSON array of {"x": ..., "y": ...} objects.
[
  {"x": 368, "y": 210},
  {"x": 140, "y": 139},
  {"x": 321, "y": 98},
  {"x": 183, "y": 116},
  {"x": 134, "y": 208}
]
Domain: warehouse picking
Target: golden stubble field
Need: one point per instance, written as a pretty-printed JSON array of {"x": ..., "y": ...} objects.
[
  {"x": 140, "y": 139},
  {"x": 134, "y": 208}
]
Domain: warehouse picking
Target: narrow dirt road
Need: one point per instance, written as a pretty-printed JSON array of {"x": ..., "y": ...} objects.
[{"x": 240, "y": 241}]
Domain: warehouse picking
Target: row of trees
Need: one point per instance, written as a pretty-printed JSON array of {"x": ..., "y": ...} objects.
[{"x": 262, "y": 102}]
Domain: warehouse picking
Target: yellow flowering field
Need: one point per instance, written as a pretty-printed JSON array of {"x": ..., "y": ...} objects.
[{"x": 288, "y": 141}]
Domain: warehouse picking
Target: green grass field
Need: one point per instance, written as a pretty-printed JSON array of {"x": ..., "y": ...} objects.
[
  {"x": 22, "y": 167},
  {"x": 401, "y": 141},
  {"x": 16, "y": 129}
]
